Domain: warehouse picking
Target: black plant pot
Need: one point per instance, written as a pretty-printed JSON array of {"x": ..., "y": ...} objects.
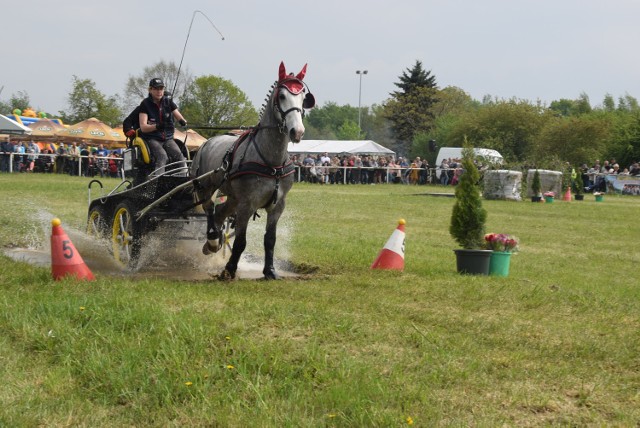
[
  {"x": 579, "y": 197},
  {"x": 536, "y": 198},
  {"x": 473, "y": 262}
]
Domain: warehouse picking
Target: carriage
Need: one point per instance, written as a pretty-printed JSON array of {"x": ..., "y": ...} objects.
[
  {"x": 230, "y": 178},
  {"x": 138, "y": 206}
]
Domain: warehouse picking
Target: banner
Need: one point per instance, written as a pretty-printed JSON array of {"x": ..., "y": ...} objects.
[{"x": 623, "y": 183}]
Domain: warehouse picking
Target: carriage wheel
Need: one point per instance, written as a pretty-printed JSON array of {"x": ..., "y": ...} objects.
[
  {"x": 125, "y": 236},
  {"x": 97, "y": 223}
]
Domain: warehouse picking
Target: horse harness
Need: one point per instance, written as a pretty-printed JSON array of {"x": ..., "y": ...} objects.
[{"x": 262, "y": 169}]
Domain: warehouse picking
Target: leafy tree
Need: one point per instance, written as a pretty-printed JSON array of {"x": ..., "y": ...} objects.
[
  {"x": 624, "y": 143},
  {"x": 85, "y": 101},
  {"x": 376, "y": 127},
  {"x": 509, "y": 126},
  {"x": 608, "y": 104},
  {"x": 627, "y": 103},
  {"x": 410, "y": 110},
  {"x": 348, "y": 131},
  {"x": 20, "y": 100},
  {"x": 566, "y": 107},
  {"x": 5, "y": 108},
  {"x": 576, "y": 139},
  {"x": 214, "y": 101},
  {"x": 137, "y": 87},
  {"x": 453, "y": 100},
  {"x": 325, "y": 122}
]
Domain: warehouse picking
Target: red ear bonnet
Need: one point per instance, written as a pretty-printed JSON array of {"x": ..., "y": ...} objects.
[
  {"x": 302, "y": 73},
  {"x": 292, "y": 83}
]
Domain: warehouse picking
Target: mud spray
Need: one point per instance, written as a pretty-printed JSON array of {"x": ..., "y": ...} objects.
[{"x": 162, "y": 256}]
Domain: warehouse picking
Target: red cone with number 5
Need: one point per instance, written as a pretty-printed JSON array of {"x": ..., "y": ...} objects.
[
  {"x": 65, "y": 259},
  {"x": 392, "y": 255}
]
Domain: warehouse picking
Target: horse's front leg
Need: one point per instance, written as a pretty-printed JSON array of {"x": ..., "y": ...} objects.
[
  {"x": 273, "y": 216},
  {"x": 239, "y": 244}
]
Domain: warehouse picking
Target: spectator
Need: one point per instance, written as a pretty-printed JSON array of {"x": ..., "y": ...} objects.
[
  {"x": 102, "y": 163},
  {"x": 6, "y": 148},
  {"x": 84, "y": 159},
  {"x": 19, "y": 159},
  {"x": 444, "y": 172},
  {"x": 61, "y": 159},
  {"x": 74, "y": 157}
]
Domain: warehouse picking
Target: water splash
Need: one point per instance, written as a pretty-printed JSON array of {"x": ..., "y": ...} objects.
[{"x": 162, "y": 255}]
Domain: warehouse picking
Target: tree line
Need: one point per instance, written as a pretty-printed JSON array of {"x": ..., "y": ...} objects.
[{"x": 416, "y": 118}]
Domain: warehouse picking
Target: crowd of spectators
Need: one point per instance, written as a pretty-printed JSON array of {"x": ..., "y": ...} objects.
[
  {"x": 90, "y": 161},
  {"x": 71, "y": 158},
  {"x": 593, "y": 176},
  {"x": 357, "y": 169}
]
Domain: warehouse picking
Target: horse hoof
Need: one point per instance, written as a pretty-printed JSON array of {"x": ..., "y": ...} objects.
[
  {"x": 208, "y": 248},
  {"x": 225, "y": 275},
  {"x": 270, "y": 274}
]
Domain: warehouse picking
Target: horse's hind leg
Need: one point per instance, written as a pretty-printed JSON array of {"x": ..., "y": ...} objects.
[
  {"x": 212, "y": 244},
  {"x": 215, "y": 218}
]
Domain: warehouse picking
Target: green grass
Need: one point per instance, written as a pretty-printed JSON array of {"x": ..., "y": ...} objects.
[{"x": 555, "y": 343}]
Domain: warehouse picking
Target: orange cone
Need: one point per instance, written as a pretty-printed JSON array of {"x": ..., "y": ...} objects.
[
  {"x": 65, "y": 259},
  {"x": 567, "y": 195},
  {"x": 392, "y": 255}
]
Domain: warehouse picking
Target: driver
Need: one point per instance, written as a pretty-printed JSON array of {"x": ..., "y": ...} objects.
[{"x": 157, "y": 114}]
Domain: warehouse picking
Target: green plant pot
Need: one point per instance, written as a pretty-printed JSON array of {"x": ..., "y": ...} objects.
[
  {"x": 473, "y": 262},
  {"x": 599, "y": 198},
  {"x": 548, "y": 199},
  {"x": 499, "y": 263}
]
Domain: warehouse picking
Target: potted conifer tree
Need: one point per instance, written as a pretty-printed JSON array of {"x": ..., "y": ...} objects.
[
  {"x": 468, "y": 219},
  {"x": 578, "y": 186}
]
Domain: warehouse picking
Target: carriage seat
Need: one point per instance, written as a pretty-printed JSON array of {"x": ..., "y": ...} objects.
[{"x": 141, "y": 146}]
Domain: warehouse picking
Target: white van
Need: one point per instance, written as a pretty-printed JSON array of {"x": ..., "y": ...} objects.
[{"x": 490, "y": 155}]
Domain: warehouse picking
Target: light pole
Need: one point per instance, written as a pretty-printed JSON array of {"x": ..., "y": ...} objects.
[{"x": 360, "y": 73}]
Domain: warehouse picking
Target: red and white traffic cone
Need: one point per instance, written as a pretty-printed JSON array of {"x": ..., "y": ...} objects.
[
  {"x": 567, "y": 195},
  {"x": 391, "y": 256},
  {"x": 65, "y": 259}
]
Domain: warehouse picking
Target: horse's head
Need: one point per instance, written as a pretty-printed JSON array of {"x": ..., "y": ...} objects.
[{"x": 290, "y": 99}]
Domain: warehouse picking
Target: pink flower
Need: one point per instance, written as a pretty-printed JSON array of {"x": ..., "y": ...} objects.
[{"x": 501, "y": 242}]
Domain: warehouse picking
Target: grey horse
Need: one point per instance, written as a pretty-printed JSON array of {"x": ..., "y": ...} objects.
[{"x": 253, "y": 171}]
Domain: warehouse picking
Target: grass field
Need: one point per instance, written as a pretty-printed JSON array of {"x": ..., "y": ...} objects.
[{"x": 555, "y": 343}]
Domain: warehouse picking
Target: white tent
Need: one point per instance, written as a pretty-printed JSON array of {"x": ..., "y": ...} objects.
[
  {"x": 8, "y": 126},
  {"x": 335, "y": 147}
]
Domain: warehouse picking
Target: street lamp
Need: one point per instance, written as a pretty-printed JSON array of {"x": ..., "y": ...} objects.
[{"x": 360, "y": 73}]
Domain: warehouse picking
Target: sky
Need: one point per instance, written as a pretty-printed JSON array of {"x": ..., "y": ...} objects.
[{"x": 541, "y": 50}]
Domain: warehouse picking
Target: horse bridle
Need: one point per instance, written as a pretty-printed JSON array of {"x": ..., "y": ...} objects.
[{"x": 308, "y": 102}]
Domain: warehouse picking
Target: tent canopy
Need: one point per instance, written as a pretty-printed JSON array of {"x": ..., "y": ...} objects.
[
  {"x": 8, "y": 126},
  {"x": 336, "y": 147}
]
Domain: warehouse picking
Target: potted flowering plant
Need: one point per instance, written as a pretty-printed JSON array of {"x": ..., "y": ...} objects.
[
  {"x": 501, "y": 242},
  {"x": 468, "y": 218},
  {"x": 599, "y": 196},
  {"x": 548, "y": 196},
  {"x": 502, "y": 245}
]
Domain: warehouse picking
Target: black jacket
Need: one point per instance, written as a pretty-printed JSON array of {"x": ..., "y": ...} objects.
[{"x": 159, "y": 114}]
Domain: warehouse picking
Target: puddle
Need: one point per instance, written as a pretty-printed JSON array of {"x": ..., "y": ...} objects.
[{"x": 162, "y": 256}]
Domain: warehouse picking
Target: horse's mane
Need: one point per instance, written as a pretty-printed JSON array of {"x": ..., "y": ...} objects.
[{"x": 266, "y": 101}]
